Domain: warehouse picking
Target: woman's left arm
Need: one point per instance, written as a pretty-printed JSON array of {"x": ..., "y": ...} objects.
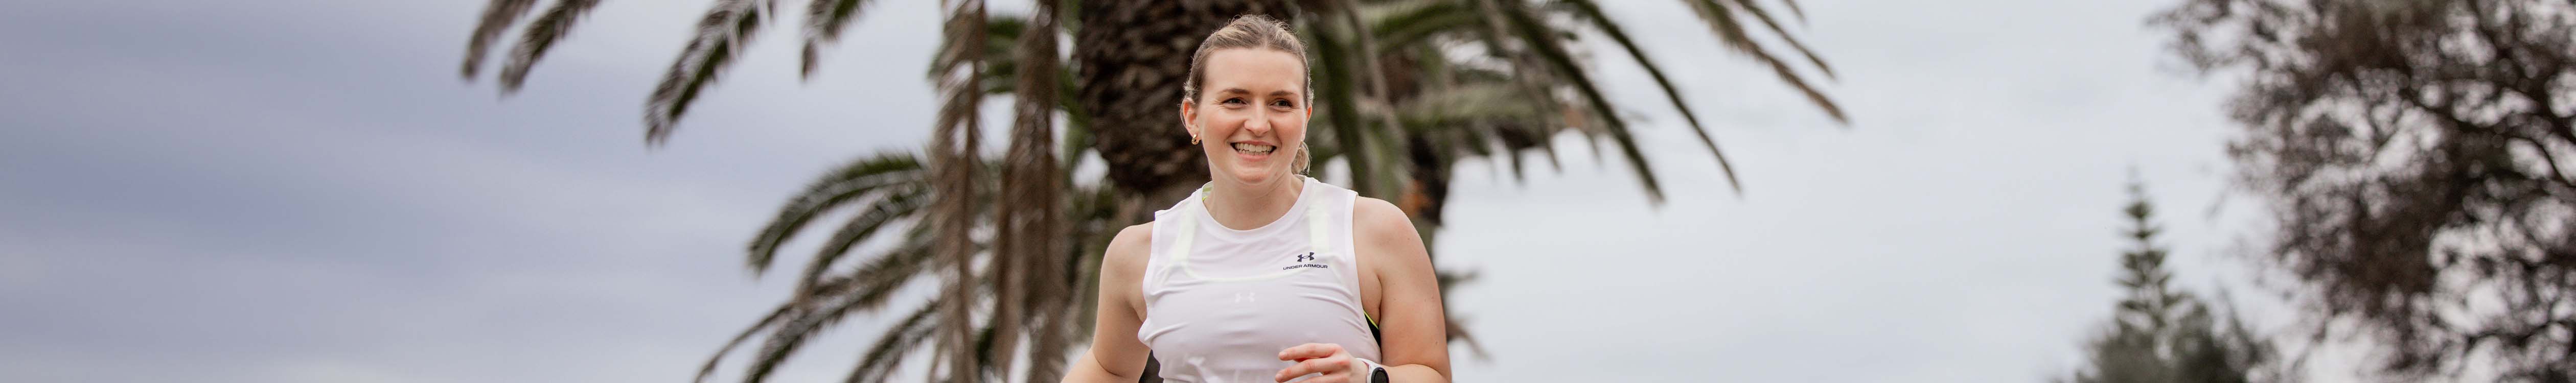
[
  {"x": 1413, "y": 329},
  {"x": 1410, "y": 317}
]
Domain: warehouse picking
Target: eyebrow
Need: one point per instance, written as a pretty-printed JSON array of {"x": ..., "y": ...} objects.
[{"x": 1272, "y": 93}]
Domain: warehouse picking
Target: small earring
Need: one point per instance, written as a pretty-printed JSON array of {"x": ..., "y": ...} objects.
[{"x": 1194, "y": 140}]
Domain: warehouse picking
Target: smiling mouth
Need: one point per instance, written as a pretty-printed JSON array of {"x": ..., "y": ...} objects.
[{"x": 1253, "y": 148}]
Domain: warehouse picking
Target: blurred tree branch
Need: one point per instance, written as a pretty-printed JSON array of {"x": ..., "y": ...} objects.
[{"x": 2412, "y": 152}]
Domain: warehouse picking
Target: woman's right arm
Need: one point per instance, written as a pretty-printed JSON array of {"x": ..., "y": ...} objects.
[{"x": 1116, "y": 356}]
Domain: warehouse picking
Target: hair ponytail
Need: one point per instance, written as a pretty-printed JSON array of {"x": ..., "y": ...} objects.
[{"x": 1304, "y": 161}]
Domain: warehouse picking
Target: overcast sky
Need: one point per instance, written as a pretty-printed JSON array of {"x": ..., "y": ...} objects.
[{"x": 305, "y": 191}]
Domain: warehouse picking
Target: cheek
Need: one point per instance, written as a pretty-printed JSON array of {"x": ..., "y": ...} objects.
[
  {"x": 1221, "y": 122},
  {"x": 1292, "y": 125}
]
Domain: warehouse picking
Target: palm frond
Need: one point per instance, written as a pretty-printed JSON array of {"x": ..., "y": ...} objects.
[
  {"x": 722, "y": 33},
  {"x": 867, "y": 290},
  {"x": 1387, "y": 143},
  {"x": 1401, "y": 25},
  {"x": 1721, "y": 21},
  {"x": 1552, "y": 51},
  {"x": 540, "y": 37},
  {"x": 986, "y": 365},
  {"x": 869, "y": 286},
  {"x": 848, "y": 183},
  {"x": 1801, "y": 14},
  {"x": 1049, "y": 337},
  {"x": 878, "y": 278},
  {"x": 1381, "y": 97},
  {"x": 1587, "y": 10},
  {"x": 1458, "y": 333},
  {"x": 783, "y": 341},
  {"x": 998, "y": 53},
  {"x": 764, "y": 323},
  {"x": 497, "y": 17},
  {"x": 1027, "y": 214},
  {"x": 1341, "y": 107},
  {"x": 1522, "y": 71},
  {"x": 900, "y": 205},
  {"x": 1456, "y": 108},
  {"x": 886, "y": 353},
  {"x": 824, "y": 20},
  {"x": 1077, "y": 123},
  {"x": 1001, "y": 59},
  {"x": 954, "y": 144},
  {"x": 1755, "y": 9}
]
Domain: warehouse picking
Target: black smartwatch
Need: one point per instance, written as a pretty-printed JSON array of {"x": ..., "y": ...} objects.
[{"x": 1377, "y": 374}]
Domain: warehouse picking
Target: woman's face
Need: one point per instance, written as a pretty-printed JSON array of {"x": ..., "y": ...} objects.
[{"x": 1250, "y": 115}]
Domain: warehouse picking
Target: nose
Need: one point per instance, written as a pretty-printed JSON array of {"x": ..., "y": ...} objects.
[{"x": 1259, "y": 125}]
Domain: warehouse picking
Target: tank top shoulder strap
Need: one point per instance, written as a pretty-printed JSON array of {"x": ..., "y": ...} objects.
[
  {"x": 1333, "y": 232},
  {"x": 1170, "y": 226}
]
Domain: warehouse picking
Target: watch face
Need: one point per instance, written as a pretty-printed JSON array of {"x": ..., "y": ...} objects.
[{"x": 1377, "y": 375}]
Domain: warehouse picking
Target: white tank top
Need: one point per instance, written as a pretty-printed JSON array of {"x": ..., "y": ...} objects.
[{"x": 1221, "y": 303}]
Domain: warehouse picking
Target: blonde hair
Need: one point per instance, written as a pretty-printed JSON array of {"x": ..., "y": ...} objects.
[{"x": 1253, "y": 31}]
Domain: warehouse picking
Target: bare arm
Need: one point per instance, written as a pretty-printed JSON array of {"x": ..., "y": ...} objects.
[
  {"x": 1415, "y": 327},
  {"x": 1116, "y": 356},
  {"x": 1414, "y": 330}
]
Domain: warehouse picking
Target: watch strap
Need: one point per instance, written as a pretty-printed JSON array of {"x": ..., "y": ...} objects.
[{"x": 1377, "y": 372}]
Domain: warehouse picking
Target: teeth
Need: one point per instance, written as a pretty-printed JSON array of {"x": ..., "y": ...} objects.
[{"x": 1252, "y": 148}]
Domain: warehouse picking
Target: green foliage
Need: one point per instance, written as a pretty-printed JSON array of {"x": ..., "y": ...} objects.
[
  {"x": 1529, "y": 62},
  {"x": 725, "y": 31},
  {"x": 2159, "y": 334}
]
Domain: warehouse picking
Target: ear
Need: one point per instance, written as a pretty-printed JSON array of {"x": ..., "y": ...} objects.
[{"x": 1189, "y": 118}]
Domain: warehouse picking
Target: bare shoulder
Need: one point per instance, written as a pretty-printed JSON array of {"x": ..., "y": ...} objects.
[
  {"x": 1377, "y": 219},
  {"x": 1380, "y": 225},
  {"x": 1127, "y": 250},
  {"x": 1122, "y": 270}
]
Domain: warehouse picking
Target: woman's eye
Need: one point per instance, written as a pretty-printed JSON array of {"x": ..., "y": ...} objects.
[
  {"x": 1283, "y": 104},
  {"x": 1231, "y": 101}
]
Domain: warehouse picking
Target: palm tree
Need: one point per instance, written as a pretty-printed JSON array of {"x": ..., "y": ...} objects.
[
  {"x": 1454, "y": 104},
  {"x": 891, "y": 191},
  {"x": 1400, "y": 109},
  {"x": 1431, "y": 109}
]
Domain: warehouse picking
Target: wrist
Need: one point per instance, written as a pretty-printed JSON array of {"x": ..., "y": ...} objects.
[{"x": 1369, "y": 370}]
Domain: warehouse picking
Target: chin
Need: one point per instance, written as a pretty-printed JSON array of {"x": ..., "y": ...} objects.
[
  {"x": 1254, "y": 178},
  {"x": 1258, "y": 176}
]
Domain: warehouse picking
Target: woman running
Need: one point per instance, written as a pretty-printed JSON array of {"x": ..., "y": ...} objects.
[{"x": 1265, "y": 273}]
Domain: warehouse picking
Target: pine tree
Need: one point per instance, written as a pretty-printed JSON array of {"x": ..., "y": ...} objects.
[
  {"x": 2160, "y": 334},
  {"x": 2152, "y": 306}
]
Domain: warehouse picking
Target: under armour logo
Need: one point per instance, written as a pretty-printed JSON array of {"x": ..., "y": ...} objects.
[{"x": 1301, "y": 262}]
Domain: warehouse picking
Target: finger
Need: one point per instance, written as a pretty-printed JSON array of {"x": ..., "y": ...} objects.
[
  {"x": 1309, "y": 351},
  {"x": 1327, "y": 366}
]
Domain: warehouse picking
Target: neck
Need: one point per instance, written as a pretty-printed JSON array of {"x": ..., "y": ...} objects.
[{"x": 1246, "y": 207}]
